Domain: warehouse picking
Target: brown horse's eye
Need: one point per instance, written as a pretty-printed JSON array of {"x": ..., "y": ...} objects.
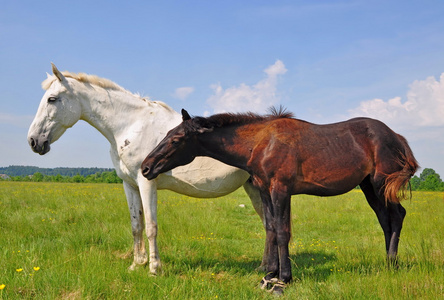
[
  {"x": 52, "y": 99},
  {"x": 174, "y": 142}
]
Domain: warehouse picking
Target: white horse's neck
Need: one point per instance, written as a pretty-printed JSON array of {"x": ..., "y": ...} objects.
[{"x": 113, "y": 112}]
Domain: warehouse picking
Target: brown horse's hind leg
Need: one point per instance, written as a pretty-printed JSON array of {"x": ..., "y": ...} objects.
[
  {"x": 397, "y": 215},
  {"x": 390, "y": 217}
]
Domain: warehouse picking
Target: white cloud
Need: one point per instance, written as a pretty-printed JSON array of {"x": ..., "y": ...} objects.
[
  {"x": 256, "y": 98},
  {"x": 424, "y": 106},
  {"x": 183, "y": 92}
]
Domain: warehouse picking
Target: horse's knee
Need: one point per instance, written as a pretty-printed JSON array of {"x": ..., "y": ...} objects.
[
  {"x": 151, "y": 230},
  {"x": 137, "y": 231},
  {"x": 283, "y": 238},
  {"x": 397, "y": 215}
]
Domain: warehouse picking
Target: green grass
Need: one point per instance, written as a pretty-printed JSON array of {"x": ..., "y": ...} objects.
[{"x": 73, "y": 241}]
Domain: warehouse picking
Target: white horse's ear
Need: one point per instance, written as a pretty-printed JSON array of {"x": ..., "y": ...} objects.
[
  {"x": 185, "y": 115},
  {"x": 57, "y": 73},
  {"x": 48, "y": 75}
]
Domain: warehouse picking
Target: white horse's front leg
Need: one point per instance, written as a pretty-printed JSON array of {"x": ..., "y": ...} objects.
[
  {"x": 256, "y": 200},
  {"x": 148, "y": 192},
  {"x": 136, "y": 212}
]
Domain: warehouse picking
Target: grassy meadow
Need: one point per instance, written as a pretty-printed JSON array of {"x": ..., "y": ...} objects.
[{"x": 73, "y": 241}]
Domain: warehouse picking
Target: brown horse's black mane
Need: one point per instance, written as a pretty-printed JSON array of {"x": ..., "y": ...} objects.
[{"x": 226, "y": 119}]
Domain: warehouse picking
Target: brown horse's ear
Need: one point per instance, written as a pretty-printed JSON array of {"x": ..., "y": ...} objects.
[
  {"x": 185, "y": 115},
  {"x": 57, "y": 73}
]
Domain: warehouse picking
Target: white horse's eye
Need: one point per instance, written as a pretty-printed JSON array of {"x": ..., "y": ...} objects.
[{"x": 52, "y": 99}]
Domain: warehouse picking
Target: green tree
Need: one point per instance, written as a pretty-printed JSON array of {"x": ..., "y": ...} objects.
[
  {"x": 426, "y": 173},
  {"x": 77, "y": 178},
  {"x": 429, "y": 180},
  {"x": 111, "y": 177},
  {"x": 58, "y": 178},
  {"x": 432, "y": 183},
  {"x": 415, "y": 182},
  {"x": 37, "y": 177}
]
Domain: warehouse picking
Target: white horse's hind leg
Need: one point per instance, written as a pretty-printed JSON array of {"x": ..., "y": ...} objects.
[
  {"x": 256, "y": 200},
  {"x": 148, "y": 192},
  {"x": 136, "y": 212}
]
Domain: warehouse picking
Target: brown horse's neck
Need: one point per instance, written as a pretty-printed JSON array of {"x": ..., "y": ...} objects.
[{"x": 228, "y": 145}]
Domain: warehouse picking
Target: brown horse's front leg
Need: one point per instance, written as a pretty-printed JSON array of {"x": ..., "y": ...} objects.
[
  {"x": 271, "y": 241},
  {"x": 277, "y": 216},
  {"x": 283, "y": 229}
]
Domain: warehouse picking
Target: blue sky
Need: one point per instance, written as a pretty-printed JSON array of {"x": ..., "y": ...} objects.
[{"x": 325, "y": 61}]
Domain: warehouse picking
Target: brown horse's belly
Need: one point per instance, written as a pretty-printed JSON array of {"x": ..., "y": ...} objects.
[
  {"x": 328, "y": 186},
  {"x": 324, "y": 191}
]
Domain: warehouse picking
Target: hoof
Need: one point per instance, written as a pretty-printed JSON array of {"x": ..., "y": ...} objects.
[
  {"x": 273, "y": 286},
  {"x": 132, "y": 267},
  {"x": 265, "y": 284},
  {"x": 155, "y": 268},
  {"x": 277, "y": 289},
  {"x": 139, "y": 261},
  {"x": 393, "y": 263}
]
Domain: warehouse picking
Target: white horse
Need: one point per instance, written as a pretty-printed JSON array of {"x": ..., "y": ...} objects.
[{"x": 133, "y": 126}]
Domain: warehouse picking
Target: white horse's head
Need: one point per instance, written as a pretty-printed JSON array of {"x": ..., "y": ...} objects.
[{"x": 58, "y": 110}]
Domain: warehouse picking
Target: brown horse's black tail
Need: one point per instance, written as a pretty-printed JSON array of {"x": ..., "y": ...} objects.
[{"x": 397, "y": 182}]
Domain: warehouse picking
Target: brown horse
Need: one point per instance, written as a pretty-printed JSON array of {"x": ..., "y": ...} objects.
[{"x": 286, "y": 156}]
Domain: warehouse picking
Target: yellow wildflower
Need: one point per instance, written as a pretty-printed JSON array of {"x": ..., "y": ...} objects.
[
  {"x": 19, "y": 270},
  {"x": 36, "y": 268},
  {"x": 2, "y": 286}
]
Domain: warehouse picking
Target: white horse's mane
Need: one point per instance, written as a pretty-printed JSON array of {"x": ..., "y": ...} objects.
[{"x": 98, "y": 81}]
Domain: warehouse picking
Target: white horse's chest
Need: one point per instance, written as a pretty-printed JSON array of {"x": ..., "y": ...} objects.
[{"x": 127, "y": 156}]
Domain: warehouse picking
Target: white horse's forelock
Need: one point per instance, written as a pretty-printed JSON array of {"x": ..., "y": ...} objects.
[{"x": 101, "y": 82}]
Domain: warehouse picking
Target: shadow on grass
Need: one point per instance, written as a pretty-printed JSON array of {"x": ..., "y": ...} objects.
[
  {"x": 317, "y": 266},
  {"x": 313, "y": 264},
  {"x": 239, "y": 266},
  {"x": 305, "y": 264}
]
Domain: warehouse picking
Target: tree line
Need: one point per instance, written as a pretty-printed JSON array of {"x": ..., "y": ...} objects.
[
  {"x": 428, "y": 180},
  {"x": 36, "y": 174},
  {"x": 100, "y": 177},
  {"x": 31, "y": 170}
]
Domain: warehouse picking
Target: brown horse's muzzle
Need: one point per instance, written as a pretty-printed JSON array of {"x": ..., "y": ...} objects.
[
  {"x": 148, "y": 172},
  {"x": 148, "y": 168}
]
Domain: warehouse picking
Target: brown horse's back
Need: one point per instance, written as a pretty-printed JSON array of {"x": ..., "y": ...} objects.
[{"x": 327, "y": 159}]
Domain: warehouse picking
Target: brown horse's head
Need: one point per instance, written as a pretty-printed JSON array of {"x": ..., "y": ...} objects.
[{"x": 178, "y": 148}]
